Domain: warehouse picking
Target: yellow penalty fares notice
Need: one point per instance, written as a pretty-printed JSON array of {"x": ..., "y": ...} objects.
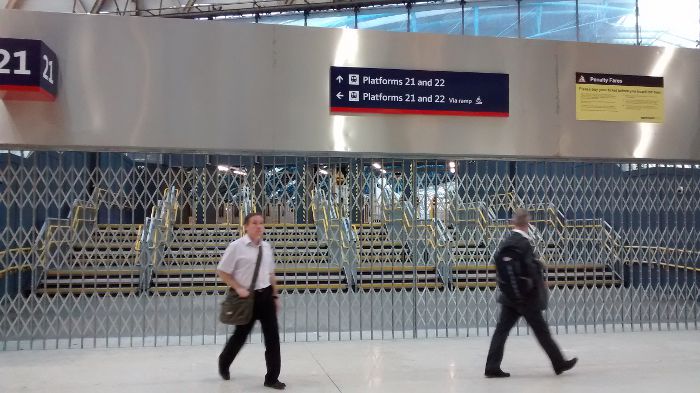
[{"x": 609, "y": 97}]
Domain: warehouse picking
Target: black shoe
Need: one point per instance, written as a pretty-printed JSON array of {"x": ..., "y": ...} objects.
[
  {"x": 568, "y": 365},
  {"x": 496, "y": 374},
  {"x": 223, "y": 371},
  {"x": 275, "y": 385}
]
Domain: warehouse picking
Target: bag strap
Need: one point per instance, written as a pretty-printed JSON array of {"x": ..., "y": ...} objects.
[{"x": 257, "y": 269}]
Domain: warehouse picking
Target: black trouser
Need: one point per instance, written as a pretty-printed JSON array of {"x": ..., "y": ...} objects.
[
  {"x": 509, "y": 317},
  {"x": 264, "y": 311}
]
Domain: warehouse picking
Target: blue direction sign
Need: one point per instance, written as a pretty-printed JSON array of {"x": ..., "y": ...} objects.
[
  {"x": 394, "y": 91},
  {"x": 28, "y": 70}
]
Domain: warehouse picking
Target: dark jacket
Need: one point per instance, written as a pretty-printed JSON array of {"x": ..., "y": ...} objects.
[{"x": 520, "y": 275}]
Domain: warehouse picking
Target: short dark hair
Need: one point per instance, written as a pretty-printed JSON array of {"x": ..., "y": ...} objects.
[
  {"x": 521, "y": 217},
  {"x": 247, "y": 218}
]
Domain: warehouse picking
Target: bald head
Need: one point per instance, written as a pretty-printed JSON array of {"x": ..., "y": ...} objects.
[{"x": 521, "y": 218}]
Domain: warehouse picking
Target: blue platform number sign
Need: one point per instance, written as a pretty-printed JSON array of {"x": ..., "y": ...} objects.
[{"x": 28, "y": 70}]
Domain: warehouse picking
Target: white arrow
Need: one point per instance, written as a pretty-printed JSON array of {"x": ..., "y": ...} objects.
[
  {"x": 339, "y": 78},
  {"x": 340, "y": 96}
]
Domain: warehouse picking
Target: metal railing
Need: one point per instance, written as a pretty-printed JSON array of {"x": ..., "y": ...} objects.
[
  {"x": 667, "y": 257},
  {"x": 156, "y": 233},
  {"x": 13, "y": 262},
  {"x": 95, "y": 299},
  {"x": 337, "y": 233}
]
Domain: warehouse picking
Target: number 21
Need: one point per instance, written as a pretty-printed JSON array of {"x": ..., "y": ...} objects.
[
  {"x": 48, "y": 69},
  {"x": 5, "y": 58}
]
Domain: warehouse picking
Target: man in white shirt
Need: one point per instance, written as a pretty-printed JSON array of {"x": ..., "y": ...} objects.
[{"x": 236, "y": 269}]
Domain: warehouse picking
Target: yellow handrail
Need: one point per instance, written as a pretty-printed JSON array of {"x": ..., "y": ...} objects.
[
  {"x": 554, "y": 213},
  {"x": 433, "y": 239},
  {"x": 154, "y": 255},
  {"x": 664, "y": 250},
  {"x": 484, "y": 221},
  {"x": 18, "y": 249},
  {"x": 668, "y": 265},
  {"x": 692, "y": 269},
  {"x": 74, "y": 223},
  {"x": 47, "y": 243},
  {"x": 137, "y": 246},
  {"x": 18, "y": 268},
  {"x": 667, "y": 249}
]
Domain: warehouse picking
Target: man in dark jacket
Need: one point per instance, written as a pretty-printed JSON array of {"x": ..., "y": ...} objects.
[{"x": 523, "y": 294}]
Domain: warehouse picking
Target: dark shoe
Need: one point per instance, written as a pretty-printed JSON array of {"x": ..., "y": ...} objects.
[
  {"x": 223, "y": 371},
  {"x": 568, "y": 365},
  {"x": 275, "y": 385},
  {"x": 496, "y": 374}
]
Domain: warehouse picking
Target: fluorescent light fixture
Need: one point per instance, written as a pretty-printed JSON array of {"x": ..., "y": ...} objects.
[
  {"x": 377, "y": 165},
  {"x": 223, "y": 168}
]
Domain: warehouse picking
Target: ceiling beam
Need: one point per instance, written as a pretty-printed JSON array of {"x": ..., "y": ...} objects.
[
  {"x": 188, "y": 7},
  {"x": 332, "y": 5},
  {"x": 97, "y": 6},
  {"x": 82, "y": 6},
  {"x": 13, "y": 4},
  {"x": 139, "y": 6}
]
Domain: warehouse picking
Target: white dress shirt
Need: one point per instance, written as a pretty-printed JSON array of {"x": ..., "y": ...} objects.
[{"x": 239, "y": 261}]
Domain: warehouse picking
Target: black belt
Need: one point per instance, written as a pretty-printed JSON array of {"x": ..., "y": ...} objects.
[{"x": 263, "y": 289}]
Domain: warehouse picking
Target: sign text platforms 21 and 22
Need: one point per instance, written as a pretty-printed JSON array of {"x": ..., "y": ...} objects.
[{"x": 394, "y": 91}]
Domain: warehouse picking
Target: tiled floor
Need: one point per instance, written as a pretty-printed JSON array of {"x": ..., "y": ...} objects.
[{"x": 621, "y": 362}]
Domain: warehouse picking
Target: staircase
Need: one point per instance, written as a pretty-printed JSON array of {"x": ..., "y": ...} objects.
[
  {"x": 566, "y": 264},
  {"x": 387, "y": 265},
  {"x": 190, "y": 259},
  {"x": 302, "y": 260},
  {"x": 577, "y": 275},
  {"x": 581, "y": 275},
  {"x": 469, "y": 258},
  {"x": 105, "y": 262}
]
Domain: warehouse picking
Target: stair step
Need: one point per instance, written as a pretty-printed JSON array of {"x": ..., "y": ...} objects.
[
  {"x": 87, "y": 291},
  {"x": 222, "y": 288},
  {"x": 473, "y": 267},
  {"x": 92, "y": 272},
  {"x": 432, "y": 285},
  {"x": 112, "y": 235},
  {"x": 107, "y": 282},
  {"x": 103, "y": 246},
  {"x": 463, "y": 285},
  {"x": 215, "y": 259},
  {"x": 177, "y": 245},
  {"x": 395, "y": 259},
  {"x": 160, "y": 281},
  {"x": 581, "y": 283},
  {"x": 395, "y": 268},
  {"x": 279, "y": 255},
  {"x": 119, "y": 260},
  {"x": 391, "y": 277}
]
